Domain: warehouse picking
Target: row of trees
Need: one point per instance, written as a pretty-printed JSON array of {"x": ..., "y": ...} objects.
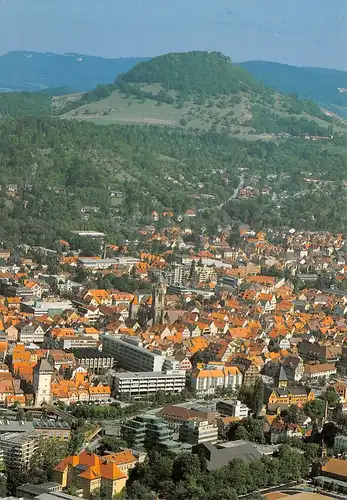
[{"x": 185, "y": 478}]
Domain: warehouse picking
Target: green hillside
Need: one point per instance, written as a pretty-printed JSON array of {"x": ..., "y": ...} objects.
[
  {"x": 318, "y": 84},
  {"x": 202, "y": 91},
  {"x": 60, "y": 166}
]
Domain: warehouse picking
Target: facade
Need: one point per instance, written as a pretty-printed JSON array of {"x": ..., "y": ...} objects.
[
  {"x": 175, "y": 416},
  {"x": 232, "y": 408},
  {"x": 131, "y": 355},
  {"x": 285, "y": 397},
  {"x": 206, "y": 378},
  {"x": 196, "y": 431},
  {"x": 319, "y": 370},
  {"x": 18, "y": 448},
  {"x": 248, "y": 369},
  {"x": 90, "y": 472},
  {"x": 42, "y": 382},
  {"x": 147, "y": 383},
  {"x": 148, "y": 431},
  {"x": 177, "y": 274},
  {"x": 294, "y": 368},
  {"x": 92, "y": 359}
]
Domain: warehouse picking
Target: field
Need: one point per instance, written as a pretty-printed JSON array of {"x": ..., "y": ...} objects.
[
  {"x": 119, "y": 109},
  {"x": 225, "y": 113}
]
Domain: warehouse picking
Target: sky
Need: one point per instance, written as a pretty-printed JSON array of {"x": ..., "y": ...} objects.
[{"x": 299, "y": 32}]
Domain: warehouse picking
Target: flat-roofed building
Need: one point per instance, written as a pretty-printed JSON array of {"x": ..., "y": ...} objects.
[
  {"x": 18, "y": 448},
  {"x": 146, "y": 383},
  {"x": 130, "y": 353},
  {"x": 92, "y": 359},
  {"x": 196, "y": 431}
]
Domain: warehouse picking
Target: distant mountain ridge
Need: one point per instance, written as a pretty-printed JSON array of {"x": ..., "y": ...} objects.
[
  {"x": 318, "y": 84},
  {"x": 35, "y": 71}
]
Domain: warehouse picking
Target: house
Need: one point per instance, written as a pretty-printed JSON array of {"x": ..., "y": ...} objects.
[
  {"x": 283, "y": 397},
  {"x": 294, "y": 368},
  {"x": 312, "y": 372},
  {"x": 206, "y": 378},
  {"x": 248, "y": 369},
  {"x": 90, "y": 472}
]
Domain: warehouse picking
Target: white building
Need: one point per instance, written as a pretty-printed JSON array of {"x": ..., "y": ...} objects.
[
  {"x": 206, "y": 379},
  {"x": 147, "y": 383},
  {"x": 198, "y": 431},
  {"x": 17, "y": 448},
  {"x": 320, "y": 370},
  {"x": 232, "y": 408},
  {"x": 131, "y": 354}
]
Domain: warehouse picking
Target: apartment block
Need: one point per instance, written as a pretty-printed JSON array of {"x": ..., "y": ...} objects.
[
  {"x": 198, "y": 431},
  {"x": 147, "y": 383},
  {"x": 17, "y": 448},
  {"x": 131, "y": 355}
]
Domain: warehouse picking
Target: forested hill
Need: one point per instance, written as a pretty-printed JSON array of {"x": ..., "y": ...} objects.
[
  {"x": 195, "y": 72},
  {"x": 318, "y": 84},
  {"x": 34, "y": 71},
  {"x": 200, "y": 91}
]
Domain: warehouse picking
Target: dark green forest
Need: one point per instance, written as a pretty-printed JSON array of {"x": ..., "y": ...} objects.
[{"x": 25, "y": 104}]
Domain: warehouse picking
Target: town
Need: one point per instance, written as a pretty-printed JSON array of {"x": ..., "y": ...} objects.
[{"x": 228, "y": 347}]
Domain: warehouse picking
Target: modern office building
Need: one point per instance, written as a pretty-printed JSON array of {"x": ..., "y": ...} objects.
[
  {"x": 149, "y": 431},
  {"x": 18, "y": 448},
  {"x": 92, "y": 359},
  {"x": 146, "y": 383},
  {"x": 130, "y": 353},
  {"x": 232, "y": 408},
  {"x": 196, "y": 431}
]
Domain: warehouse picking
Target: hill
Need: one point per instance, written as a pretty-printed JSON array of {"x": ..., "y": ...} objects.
[
  {"x": 34, "y": 71},
  {"x": 202, "y": 91},
  {"x": 318, "y": 84},
  {"x": 53, "y": 171}
]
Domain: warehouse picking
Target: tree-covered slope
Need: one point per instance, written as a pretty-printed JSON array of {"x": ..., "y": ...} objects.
[
  {"x": 50, "y": 169},
  {"x": 21, "y": 104},
  {"x": 33, "y": 71},
  {"x": 318, "y": 84},
  {"x": 196, "y": 72}
]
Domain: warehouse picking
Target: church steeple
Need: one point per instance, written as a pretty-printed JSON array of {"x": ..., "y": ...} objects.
[{"x": 158, "y": 301}]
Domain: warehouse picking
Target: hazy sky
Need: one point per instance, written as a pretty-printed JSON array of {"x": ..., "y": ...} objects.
[{"x": 302, "y": 32}]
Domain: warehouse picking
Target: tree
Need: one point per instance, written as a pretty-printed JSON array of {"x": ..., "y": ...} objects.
[
  {"x": 292, "y": 414},
  {"x": 258, "y": 397},
  {"x": 48, "y": 454},
  {"x": 3, "y": 486},
  {"x": 138, "y": 491},
  {"x": 331, "y": 396},
  {"x": 314, "y": 409},
  {"x": 21, "y": 415},
  {"x": 90, "y": 247}
]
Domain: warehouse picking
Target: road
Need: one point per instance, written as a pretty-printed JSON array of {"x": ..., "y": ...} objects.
[
  {"x": 235, "y": 193},
  {"x": 232, "y": 197}
]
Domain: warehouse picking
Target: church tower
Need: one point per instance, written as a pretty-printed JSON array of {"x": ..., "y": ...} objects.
[
  {"x": 282, "y": 380},
  {"x": 158, "y": 302},
  {"x": 42, "y": 379}
]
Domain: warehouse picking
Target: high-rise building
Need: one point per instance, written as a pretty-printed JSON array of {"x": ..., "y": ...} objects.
[{"x": 17, "y": 448}]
